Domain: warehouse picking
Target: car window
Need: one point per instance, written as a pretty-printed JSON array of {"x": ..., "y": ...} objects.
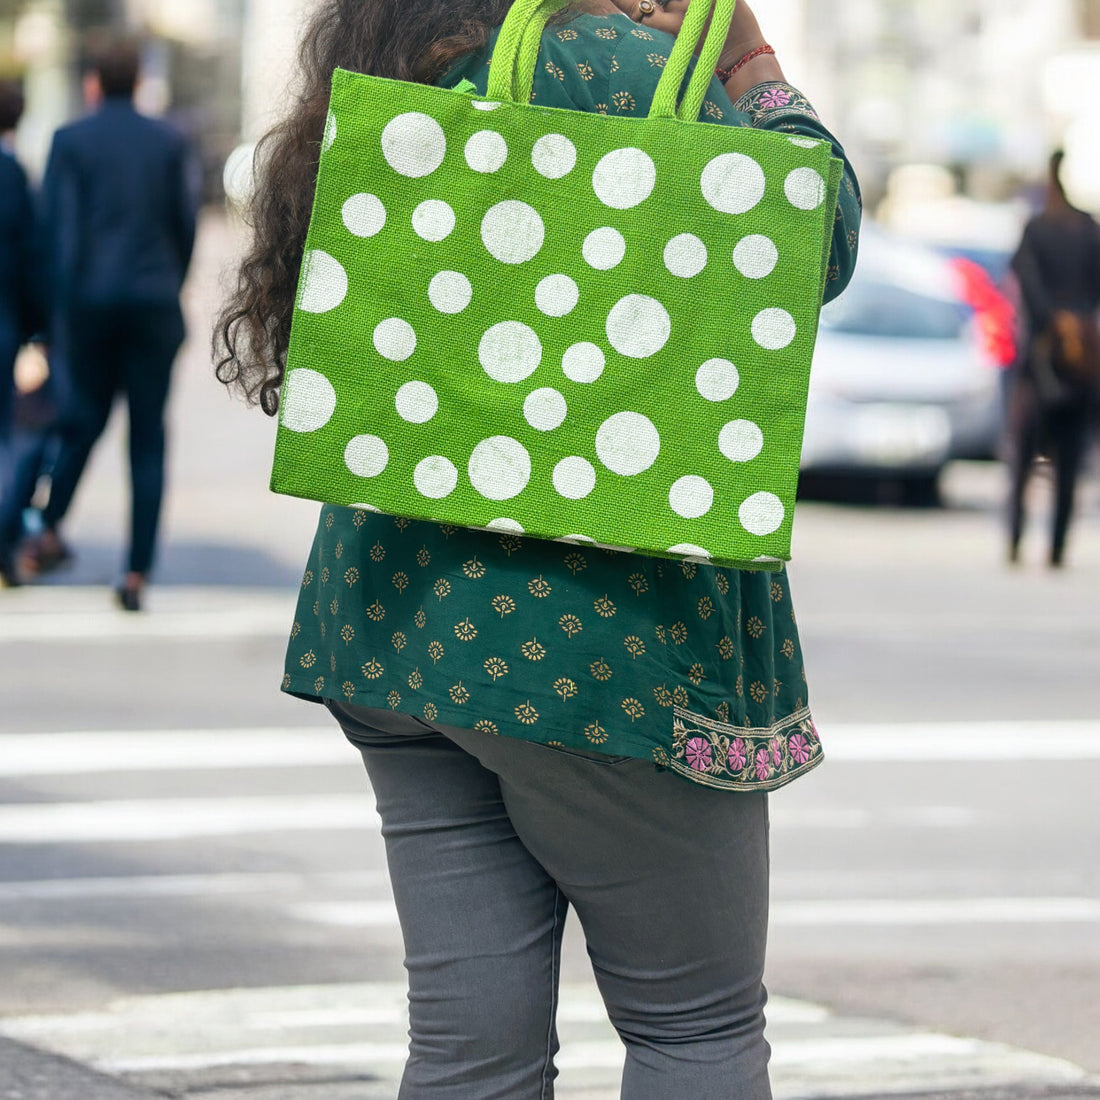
[{"x": 872, "y": 308}]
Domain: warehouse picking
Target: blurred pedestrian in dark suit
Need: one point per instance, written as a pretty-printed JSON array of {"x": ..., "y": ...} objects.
[
  {"x": 20, "y": 318},
  {"x": 1057, "y": 385},
  {"x": 119, "y": 217}
]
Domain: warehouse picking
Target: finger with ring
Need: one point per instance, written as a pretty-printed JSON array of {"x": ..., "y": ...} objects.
[{"x": 644, "y": 9}]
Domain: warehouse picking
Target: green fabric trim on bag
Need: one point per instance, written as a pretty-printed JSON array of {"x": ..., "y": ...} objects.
[{"x": 569, "y": 324}]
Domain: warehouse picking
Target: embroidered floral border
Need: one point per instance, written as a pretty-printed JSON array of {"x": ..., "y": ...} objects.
[
  {"x": 774, "y": 100},
  {"x": 730, "y": 758}
]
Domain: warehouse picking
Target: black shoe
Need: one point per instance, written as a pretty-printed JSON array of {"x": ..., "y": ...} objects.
[
  {"x": 43, "y": 554},
  {"x": 9, "y": 574},
  {"x": 129, "y": 599}
]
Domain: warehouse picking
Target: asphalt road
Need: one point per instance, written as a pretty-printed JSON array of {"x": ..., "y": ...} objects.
[{"x": 192, "y": 893}]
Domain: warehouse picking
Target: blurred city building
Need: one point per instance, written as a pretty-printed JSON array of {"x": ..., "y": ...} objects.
[
  {"x": 214, "y": 66},
  {"x": 980, "y": 88}
]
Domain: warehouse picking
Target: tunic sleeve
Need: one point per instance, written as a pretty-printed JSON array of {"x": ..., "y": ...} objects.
[{"x": 776, "y": 106}]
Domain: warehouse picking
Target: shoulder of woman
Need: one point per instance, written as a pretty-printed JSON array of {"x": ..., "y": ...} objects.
[{"x": 617, "y": 65}]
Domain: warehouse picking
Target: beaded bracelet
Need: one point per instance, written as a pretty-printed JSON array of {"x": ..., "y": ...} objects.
[{"x": 760, "y": 51}]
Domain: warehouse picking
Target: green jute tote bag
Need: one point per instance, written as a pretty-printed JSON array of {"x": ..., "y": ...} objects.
[{"x": 560, "y": 323}]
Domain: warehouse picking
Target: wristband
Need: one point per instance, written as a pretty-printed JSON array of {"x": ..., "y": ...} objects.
[{"x": 760, "y": 51}]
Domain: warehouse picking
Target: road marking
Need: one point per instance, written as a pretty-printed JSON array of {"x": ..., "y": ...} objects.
[
  {"x": 855, "y": 912},
  {"x": 148, "y": 820},
  {"x": 935, "y": 911},
  {"x": 181, "y": 818},
  {"x": 26, "y": 754},
  {"x": 362, "y": 1027},
  {"x": 77, "y": 753},
  {"x": 968, "y": 742},
  {"x": 347, "y": 914},
  {"x": 379, "y": 912},
  {"x": 65, "y": 614},
  {"x": 187, "y": 886}
]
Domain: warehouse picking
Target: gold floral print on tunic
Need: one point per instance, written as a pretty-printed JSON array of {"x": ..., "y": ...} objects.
[
  {"x": 571, "y": 624},
  {"x": 575, "y": 563},
  {"x": 601, "y": 671},
  {"x": 565, "y": 688},
  {"x": 496, "y": 667},
  {"x": 473, "y": 569},
  {"x": 540, "y": 588},
  {"x": 595, "y": 733},
  {"x": 527, "y": 714},
  {"x": 503, "y": 605}
]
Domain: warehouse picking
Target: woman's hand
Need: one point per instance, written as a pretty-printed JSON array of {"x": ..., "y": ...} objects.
[{"x": 744, "y": 37}]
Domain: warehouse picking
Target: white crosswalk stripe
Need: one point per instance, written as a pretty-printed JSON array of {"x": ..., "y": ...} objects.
[
  {"x": 71, "y": 786},
  {"x": 197, "y": 1036}
]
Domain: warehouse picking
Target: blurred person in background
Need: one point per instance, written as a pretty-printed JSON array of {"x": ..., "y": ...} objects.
[
  {"x": 1055, "y": 391},
  {"x": 119, "y": 208},
  {"x": 20, "y": 318}
]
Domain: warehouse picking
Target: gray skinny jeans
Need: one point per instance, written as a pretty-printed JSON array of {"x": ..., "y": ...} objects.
[{"x": 489, "y": 841}]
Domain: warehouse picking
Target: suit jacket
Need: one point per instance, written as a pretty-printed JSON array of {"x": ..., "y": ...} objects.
[
  {"x": 118, "y": 209},
  {"x": 19, "y": 278}
]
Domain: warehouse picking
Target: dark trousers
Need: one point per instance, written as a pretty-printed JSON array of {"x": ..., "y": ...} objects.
[
  {"x": 114, "y": 349},
  {"x": 9, "y": 458},
  {"x": 490, "y": 839},
  {"x": 1062, "y": 431}
]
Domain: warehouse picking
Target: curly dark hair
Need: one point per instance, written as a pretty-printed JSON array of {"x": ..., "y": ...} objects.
[{"x": 415, "y": 40}]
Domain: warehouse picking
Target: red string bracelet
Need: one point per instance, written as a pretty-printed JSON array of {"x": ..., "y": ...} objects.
[{"x": 760, "y": 51}]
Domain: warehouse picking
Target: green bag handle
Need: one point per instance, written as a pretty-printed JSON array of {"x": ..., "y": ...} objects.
[
  {"x": 522, "y": 15},
  {"x": 687, "y": 41},
  {"x": 512, "y": 73}
]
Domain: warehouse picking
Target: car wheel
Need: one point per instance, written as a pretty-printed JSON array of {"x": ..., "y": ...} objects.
[{"x": 921, "y": 491}]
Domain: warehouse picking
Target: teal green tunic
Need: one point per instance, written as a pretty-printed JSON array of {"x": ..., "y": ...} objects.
[{"x": 694, "y": 667}]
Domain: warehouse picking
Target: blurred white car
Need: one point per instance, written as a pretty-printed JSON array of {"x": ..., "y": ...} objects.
[{"x": 905, "y": 377}]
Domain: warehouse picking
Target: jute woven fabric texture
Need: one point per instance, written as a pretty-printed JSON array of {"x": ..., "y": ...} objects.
[{"x": 555, "y": 322}]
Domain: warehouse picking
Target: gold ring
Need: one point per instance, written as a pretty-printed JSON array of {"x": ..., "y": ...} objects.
[{"x": 645, "y": 8}]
